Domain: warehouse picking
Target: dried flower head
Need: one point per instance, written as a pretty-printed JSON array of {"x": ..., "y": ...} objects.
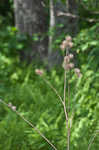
[
  {"x": 62, "y": 47},
  {"x": 67, "y": 59},
  {"x": 68, "y": 38},
  {"x": 67, "y": 43},
  {"x": 71, "y": 56},
  {"x": 39, "y": 72},
  {"x": 10, "y": 104},
  {"x": 64, "y": 42},
  {"x": 13, "y": 108},
  {"x": 77, "y": 70},
  {"x": 71, "y": 65},
  {"x": 66, "y": 66},
  {"x": 70, "y": 44}
]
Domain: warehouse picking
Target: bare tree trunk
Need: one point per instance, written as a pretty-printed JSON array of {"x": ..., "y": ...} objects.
[
  {"x": 52, "y": 26},
  {"x": 70, "y": 23},
  {"x": 30, "y": 18},
  {"x": 51, "y": 53},
  {"x": 72, "y": 8}
]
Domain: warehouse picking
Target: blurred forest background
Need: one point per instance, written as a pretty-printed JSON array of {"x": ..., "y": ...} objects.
[{"x": 31, "y": 32}]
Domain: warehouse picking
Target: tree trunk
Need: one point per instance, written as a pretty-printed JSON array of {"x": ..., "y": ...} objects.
[
  {"x": 30, "y": 18},
  {"x": 51, "y": 26},
  {"x": 70, "y": 24},
  {"x": 72, "y": 8}
]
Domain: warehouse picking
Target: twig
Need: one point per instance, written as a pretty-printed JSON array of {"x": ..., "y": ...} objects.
[
  {"x": 51, "y": 86},
  {"x": 30, "y": 124},
  {"x": 76, "y": 16}
]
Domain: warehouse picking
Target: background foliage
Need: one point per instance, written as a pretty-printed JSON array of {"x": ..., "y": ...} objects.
[{"x": 38, "y": 103}]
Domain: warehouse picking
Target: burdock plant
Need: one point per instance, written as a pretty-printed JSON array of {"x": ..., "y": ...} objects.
[{"x": 66, "y": 45}]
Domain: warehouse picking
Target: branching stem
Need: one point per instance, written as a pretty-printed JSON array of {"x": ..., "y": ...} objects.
[
  {"x": 51, "y": 86},
  {"x": 31, "y": 125}
]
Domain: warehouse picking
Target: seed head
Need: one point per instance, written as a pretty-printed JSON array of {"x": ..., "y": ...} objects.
[
  {"x": 67, "y": 59},
  {"x": 66, "y": 66},
  {"x": 10, "y": 104},
  {"x": 62, "y": 47},
  {"x": 71, "y": 65},
  {"x": 64, "y": 43},
  {"x": 77, "y": 70},
  {"x": 67, "y": 43},
  {"x": 39, "y": 72},
  {"x": 70, "y": 44},
  {"x": 13, "y": 108},
  {"x": 71, "y": 56},
  {"x": 68, "y": 38}
]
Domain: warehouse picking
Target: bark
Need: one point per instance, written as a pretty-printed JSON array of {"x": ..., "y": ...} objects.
[
  {"x": 30, "y": 18},
  {"x": 51, "y": 53},
  {"x": 70, "y": 24},
  {"x": 51, "y": 26}
]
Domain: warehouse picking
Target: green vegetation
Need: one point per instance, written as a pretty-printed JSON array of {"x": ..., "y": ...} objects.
[{"x": 38, "y": 103}]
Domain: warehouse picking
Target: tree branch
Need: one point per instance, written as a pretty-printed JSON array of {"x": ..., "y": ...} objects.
[{"x": 76, "y": 16}]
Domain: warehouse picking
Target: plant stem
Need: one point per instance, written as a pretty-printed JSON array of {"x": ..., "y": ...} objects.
[
  {"x": 30, "y": 124},
  {"x": 65, "y": 110},
  {"x": 68, "y": 137},
  {"x": 66, "y": 115},
  {"x": 51, "y": 86},
  {"x": 68, "y": 97}
]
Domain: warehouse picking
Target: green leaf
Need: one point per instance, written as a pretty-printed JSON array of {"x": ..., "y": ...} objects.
[{"x": 20, "y": 46}]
